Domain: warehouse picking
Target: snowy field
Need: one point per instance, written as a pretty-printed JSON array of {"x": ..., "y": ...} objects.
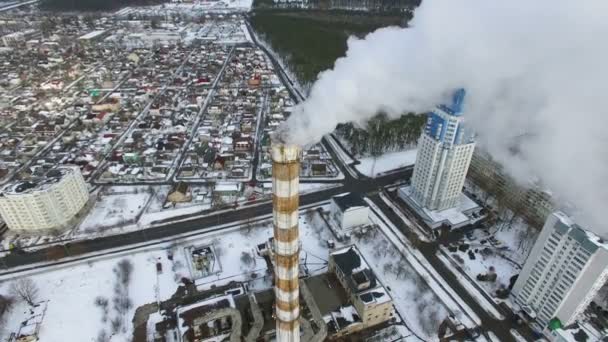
[
  {"x": 386, "y": 162},
  {"x": 115, "y": 208},
  {"x": 71, "y": 291}
]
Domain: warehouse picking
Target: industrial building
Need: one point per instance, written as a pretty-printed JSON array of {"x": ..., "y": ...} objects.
[
  {"x": 49, "y": 202},
  {"x": 349, "y": 211},
  {"x": 564, "y": 271},
  {"x": 444, "y": 154}
]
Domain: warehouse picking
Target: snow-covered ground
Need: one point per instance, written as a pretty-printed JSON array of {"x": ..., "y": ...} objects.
[
  {"x": 446, "y": 294},
  {"x": 71, "y": 292},
  {"x": 389, "y": 161},
  {"x": 115, "y": 209},
  {"x": 420, "y": 308},
  {"x": 501, "y": 249},
  {"x": 73, "y": 289}
]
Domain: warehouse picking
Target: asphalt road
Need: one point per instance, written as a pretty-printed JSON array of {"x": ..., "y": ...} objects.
[{"x": 188, "y": 225}]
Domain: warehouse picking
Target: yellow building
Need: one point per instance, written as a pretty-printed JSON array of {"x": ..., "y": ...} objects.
[{"x": 370, "y": 303}]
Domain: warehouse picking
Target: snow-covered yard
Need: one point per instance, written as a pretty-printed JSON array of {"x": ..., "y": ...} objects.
[
  {"x": 371, "y": 166},
  {"x": 115, "y": 208},
  {"x": 420, "y": 308},
  {"x": 72, "y": 292},
  {"x": 501, "y": 249}
]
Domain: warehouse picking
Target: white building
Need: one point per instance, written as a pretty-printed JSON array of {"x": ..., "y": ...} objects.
[
  {"x": 152, "y": 38},
  {"x": 46, "y": 203},
  {"x": 349, "y": 211},
  {"x": 565, "y": 270},
  {"x": 16, "y": 38},
  {"x": 444, "y": 153}
]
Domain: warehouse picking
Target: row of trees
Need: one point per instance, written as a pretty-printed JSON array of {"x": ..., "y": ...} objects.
[
  {"x": 382, "y": 134},
  {"x": 121, "y": 302}
]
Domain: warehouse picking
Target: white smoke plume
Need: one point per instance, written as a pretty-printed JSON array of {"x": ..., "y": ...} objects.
[{"x": 535, "y": 72}]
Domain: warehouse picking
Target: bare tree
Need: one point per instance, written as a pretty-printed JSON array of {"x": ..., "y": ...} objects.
[
  {"x": 388, "y": 268},
  {"x": 6, "y": 303},
  {"x": 26, "y": 289},
  {"x": 309, "y": 216},
  {"x": 123, "y": 271},
  {"x": 102, "y": 336},
  {"x": 246, "y": 259},
  {"x": 217, "y": 247},
  {"x": 102, "y": 303},
  {"x": 116, "y": 325}
]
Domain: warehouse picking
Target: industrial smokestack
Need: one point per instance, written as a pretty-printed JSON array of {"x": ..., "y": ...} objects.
[{"x": 285, "y": 202}]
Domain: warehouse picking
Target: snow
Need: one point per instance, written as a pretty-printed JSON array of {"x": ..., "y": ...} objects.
[
  {"x": 386, "y": 162},
  {"x": 421, "y": 310},
  {"x": 455, "y": 216},
  {"x": 517, "y": 336},
  {"x": 73, "y": 287},
  {"x": 440, "y": 288},
  {"x": 518, "y": 240},
  {"x": 423, "y": 235},
  {"x": 71, "y": 292},
  {"x": 112, "y": 210},
  {"x": 348, "y": 312},
  {"x": 479, "y": 298}
]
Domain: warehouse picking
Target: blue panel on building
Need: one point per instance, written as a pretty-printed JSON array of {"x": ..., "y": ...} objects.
[{"x": 434, "y": 125}]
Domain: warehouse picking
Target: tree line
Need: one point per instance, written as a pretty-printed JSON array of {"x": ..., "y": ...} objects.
[{"x": 381, "y": 134}]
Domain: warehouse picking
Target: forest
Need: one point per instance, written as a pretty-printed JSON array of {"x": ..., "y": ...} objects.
[
  {"x": 311, "y": 41},
  {"x": 382, "y": 135}
]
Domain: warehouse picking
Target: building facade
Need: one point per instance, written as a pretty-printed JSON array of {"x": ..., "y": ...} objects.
[
  {"x": 349, "y": 211},
  {"x": 534, "y": 203},
  {"x": 444, "y": 154},
  {"x": 369, "y": 300},
  {"x": 46, "y": 203},
  {"x": 564, "y": 271}
]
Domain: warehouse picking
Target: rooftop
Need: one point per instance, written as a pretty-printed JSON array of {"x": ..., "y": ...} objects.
[
  {"x": 587, "y": 239},
  {"x": 359, "y": 276},
  {"x": 349, "y": 200},
  {"x": 36, "y": 183}
]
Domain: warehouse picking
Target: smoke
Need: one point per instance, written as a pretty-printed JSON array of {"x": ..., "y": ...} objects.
[{"x": 536, "y": 79}]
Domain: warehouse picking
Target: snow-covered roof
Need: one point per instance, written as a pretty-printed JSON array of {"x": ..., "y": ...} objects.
[
  {"x": 92, "y": 35},
  {"x": 349, "y": 200}
]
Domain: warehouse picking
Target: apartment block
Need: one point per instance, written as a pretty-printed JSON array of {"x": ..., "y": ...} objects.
[
  {"x": 562, "y": 275},
  {"x": 48, "y": 202},
  {"x": 534, "y": 203}
]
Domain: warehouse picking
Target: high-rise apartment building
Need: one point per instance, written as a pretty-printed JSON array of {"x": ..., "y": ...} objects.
[
  {"x": 44, "y": 203},
  {"x": 531, "y": 201},
  {"x": 563, "y": 273},
  {"x": 444, "y": 154}
]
